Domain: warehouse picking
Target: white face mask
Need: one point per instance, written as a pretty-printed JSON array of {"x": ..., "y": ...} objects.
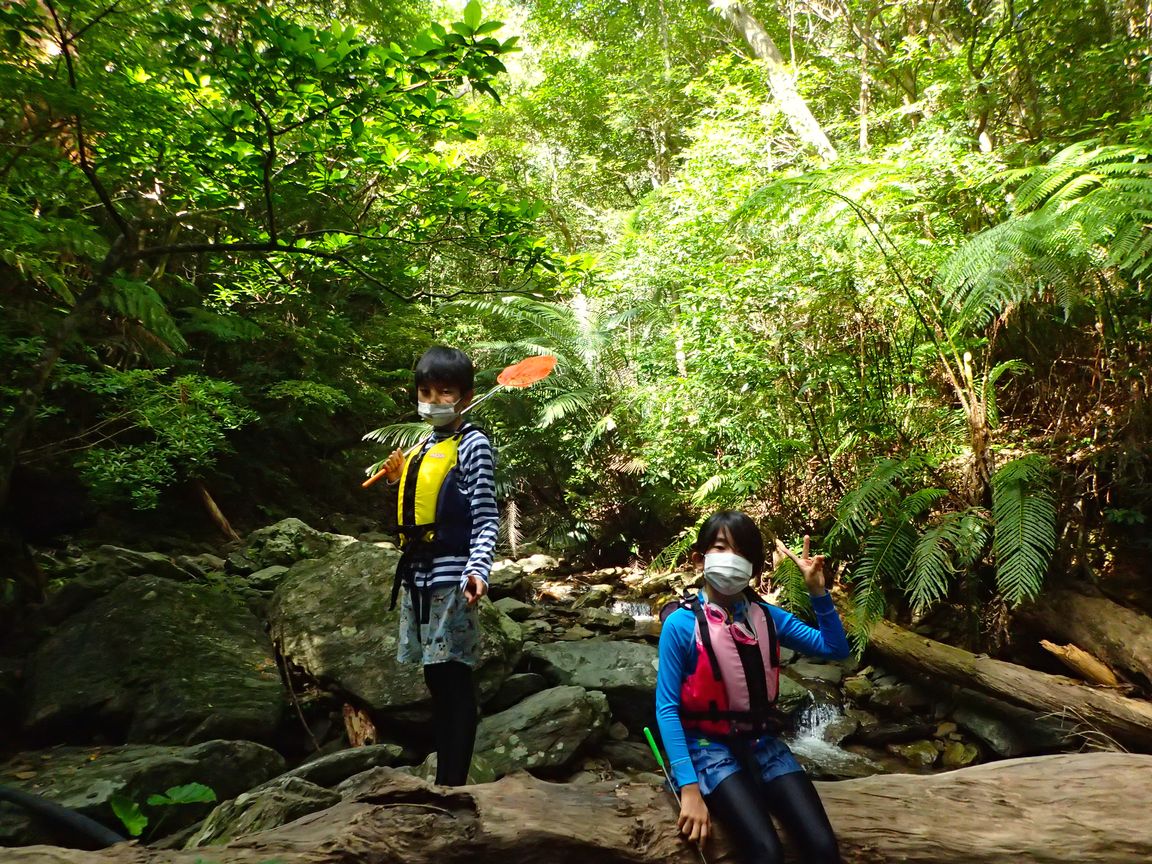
[
  {"x": 436, "y": 414},
  {"x": 727, "y": 572}
]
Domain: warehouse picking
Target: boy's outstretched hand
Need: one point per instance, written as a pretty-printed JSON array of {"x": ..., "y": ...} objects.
[
  {"x": 812, "y": 569},
  {"x": 474, "y": 589},
  {"x": 393, "y": 465}
]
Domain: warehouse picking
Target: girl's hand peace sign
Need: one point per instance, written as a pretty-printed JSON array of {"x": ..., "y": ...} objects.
[{"x": 812, "y": 569}]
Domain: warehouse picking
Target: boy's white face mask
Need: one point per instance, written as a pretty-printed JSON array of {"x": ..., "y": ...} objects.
[
  {"x": 727, "y": 572},
  {"x": 435, "y": 413}
]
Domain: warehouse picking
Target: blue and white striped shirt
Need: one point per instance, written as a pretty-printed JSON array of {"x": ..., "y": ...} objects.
[{"x": 477, "y": 467}]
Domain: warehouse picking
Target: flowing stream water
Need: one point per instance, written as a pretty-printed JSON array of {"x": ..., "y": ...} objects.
[{"x": 810, "y": 742}]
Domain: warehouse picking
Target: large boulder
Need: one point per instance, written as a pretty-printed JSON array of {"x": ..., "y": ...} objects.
[
  {"x": 335, "y": 768},
  {"x": 508, "y": 579},
  {"x": 547, "y": 730},
  {"x": 85, "y": 779},
  {"x": 156, "y": 661},
  {"x": 624, "y": 671},
  {"x": 126, "y": 563},
  {"x": 331, "y": 618},
  {"x": 272, "y": 805},
  {"x": 288, "y": 541}
]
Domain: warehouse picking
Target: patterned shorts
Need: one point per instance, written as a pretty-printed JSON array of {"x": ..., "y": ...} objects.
[
  {"x": 714, "y": 762},
  {"x": 452, "y": 631}
]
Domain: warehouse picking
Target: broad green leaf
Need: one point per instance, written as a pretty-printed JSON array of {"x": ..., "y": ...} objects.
[{"x": 472, "y": 14}]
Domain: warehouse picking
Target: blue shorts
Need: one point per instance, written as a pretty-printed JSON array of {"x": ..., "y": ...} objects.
[{"x": 714, "y": 762}]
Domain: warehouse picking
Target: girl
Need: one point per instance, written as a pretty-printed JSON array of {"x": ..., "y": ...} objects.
[{"x": 715, "y": 688}]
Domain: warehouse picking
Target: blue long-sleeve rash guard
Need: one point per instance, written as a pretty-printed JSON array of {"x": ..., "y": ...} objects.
[{"x": 678, "y": 648}]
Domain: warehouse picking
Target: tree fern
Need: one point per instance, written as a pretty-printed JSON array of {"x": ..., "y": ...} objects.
[
  {"x": 1088, "y": 207},
  {"x": 1024, "y": 515}
]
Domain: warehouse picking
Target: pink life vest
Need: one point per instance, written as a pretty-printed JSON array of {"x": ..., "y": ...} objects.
[{"x": 720, "y": 695}]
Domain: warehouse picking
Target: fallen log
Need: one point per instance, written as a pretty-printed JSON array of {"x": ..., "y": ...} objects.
[
  {"x": 1120, "y": 637},
  {"x": 1098, "y": 711},
  {"x": 1041, "y": 810}
]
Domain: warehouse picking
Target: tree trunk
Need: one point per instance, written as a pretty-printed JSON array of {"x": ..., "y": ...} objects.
[
  {"x": 1117, "y": 635},
  {"x": 1081, "y": 808},
  {"x": 1127, "y": 721},
  {"x": 780, "y": 80}
]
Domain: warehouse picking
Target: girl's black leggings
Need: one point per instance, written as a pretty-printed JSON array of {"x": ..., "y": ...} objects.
[
  {"x": 454, "y": 719},
  {"x": 743, "y": 806}
]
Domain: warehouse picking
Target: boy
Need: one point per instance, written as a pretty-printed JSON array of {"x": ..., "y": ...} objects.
[{"x": 448, "y": 522}]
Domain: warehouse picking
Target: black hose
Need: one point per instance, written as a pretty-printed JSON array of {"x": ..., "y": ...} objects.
[{"x": 82, "y": 825}]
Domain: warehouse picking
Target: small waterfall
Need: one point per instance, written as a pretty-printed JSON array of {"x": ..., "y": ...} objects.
[
  {"x": 636, "y": 610},
  {"x": 810, "y": 743}
]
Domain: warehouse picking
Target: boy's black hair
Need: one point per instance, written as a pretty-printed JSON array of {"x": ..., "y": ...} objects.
[
  {"x": 746, "y": 537},
  {"x": 447, "y": 366}
]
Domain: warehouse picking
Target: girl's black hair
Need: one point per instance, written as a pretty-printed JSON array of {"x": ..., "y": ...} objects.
[
  {"x": 447, "y": 366},
  {"x": 746, "y": 537}
]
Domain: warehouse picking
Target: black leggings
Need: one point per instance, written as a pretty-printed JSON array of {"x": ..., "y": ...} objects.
[
  {"x": 454, "y": 718},
  {"x": 743, "y": 806}
]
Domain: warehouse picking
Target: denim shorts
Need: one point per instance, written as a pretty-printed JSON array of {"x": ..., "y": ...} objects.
[{"x": 714, "y": 761}]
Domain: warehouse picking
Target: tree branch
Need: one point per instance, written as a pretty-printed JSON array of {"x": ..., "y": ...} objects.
[{"x": 81, "y": 143}]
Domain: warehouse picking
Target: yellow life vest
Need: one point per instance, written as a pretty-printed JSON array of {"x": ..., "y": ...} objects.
[{"x": 430, "y": 507}]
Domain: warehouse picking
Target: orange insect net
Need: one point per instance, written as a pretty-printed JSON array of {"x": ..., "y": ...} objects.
[{"x": 527, "y": 371}]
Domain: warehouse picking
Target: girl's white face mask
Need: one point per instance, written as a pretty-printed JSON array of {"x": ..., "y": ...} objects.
[
  {"x": 436, "y": 413},
  {"x": 727, "y": 572}
]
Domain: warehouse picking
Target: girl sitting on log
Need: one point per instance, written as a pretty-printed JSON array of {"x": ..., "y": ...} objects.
[{"x": 715, "y": 693}]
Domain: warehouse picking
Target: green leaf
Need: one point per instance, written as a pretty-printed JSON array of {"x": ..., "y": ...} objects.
[
  {"x": 189, "y": 793},
  {"x": 357, "y": 127},
  {"x": 129, "y": 813},
  {"x": 472, "y": 14},
  {"x": 489, "y": 27}
]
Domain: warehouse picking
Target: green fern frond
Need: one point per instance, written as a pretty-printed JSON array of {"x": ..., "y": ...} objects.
[
  {"x": 789, "y": 581},
  {"x": 988, "y": 388},
  {"x": 139, "y": 301},
  {"x": 1024, "y": 516},
  {"x": 676, "y": 551},
  {"x": 707, "y": 489},
  {"x": 883, "y": 564},
  {"x": 567, "y": 403},
  {"x": 920, "y": 501},
  {"x": 600, "y": 428},
  {"x": 545, "y": 316},
  {"x": 1085, "y": 209},
  {"x": 879, "y": 491},
  {"x": 224, "y": 328},
  {"x": 402, "y": 435},
  {"x": 953, "y": 544}
]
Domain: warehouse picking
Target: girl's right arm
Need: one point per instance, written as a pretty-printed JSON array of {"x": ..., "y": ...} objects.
[{"x": 677, "y": 647}]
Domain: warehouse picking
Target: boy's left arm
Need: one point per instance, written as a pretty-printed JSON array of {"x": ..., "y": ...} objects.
[{"x": 479, "y": 475}]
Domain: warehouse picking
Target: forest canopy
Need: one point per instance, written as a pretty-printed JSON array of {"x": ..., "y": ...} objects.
[{"x": 877, "y": 272}]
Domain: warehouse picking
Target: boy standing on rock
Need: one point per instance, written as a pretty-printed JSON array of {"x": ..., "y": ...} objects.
[{"x": 448, "y": 523}]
